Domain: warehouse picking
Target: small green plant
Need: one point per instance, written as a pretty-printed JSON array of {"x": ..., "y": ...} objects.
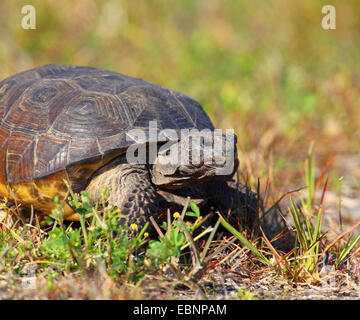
[
  {"x": 100, "y": 239},
  {"x": 176, "y": 238},
  {"x": 308, "y": 235},
  {"x": 179, "y": 236},
  {"x": 310, "y": 242}
]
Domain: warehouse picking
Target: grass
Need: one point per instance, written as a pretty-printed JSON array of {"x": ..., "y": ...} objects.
[
  {"x": 100, "y": 240},
  {"x": 186, "y": 248}
]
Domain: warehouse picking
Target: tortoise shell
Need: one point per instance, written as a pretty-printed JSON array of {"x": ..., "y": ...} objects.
[{"x": 64, "y": 122}]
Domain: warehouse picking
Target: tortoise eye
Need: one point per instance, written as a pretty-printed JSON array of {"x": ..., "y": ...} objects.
[{"x": 44, "y": 94}]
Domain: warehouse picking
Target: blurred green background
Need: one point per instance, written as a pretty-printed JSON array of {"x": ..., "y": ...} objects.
[{"x": 265, "y": 68}]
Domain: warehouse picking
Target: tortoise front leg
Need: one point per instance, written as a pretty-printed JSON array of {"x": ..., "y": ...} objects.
[{"x": 131, "y": 192}]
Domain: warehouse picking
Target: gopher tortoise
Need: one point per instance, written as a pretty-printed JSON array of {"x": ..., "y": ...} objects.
[{"x": 71, "y": 123}]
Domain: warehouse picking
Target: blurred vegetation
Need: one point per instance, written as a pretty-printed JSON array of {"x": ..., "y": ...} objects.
[{"x": 265, "y": 68}]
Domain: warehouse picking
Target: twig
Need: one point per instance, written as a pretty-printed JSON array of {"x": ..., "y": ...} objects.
[{"x": 156, "y": 226}]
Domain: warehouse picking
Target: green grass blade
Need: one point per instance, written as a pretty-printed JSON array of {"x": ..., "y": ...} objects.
[
  {"x": 300, "y": 232},
  {"x": 244, "y": 241},
  {"x": 207, "y": 245},
  {"x": 344, "y": 253}
]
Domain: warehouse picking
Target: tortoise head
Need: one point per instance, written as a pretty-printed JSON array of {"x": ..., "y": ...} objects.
[{"x": 195, "y": 158}]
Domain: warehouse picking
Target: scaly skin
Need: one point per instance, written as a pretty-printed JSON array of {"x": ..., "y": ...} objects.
[{"x": 131, "y": 191}]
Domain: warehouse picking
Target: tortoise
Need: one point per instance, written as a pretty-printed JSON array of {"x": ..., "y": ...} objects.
[{"x": 70, "y": 123}]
